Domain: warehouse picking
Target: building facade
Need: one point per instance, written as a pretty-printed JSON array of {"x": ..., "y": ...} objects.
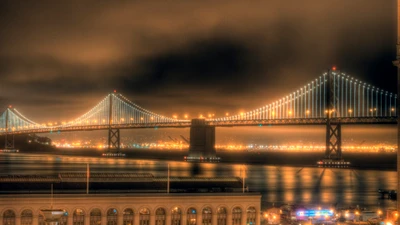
[{"x": 135, "y": 209}]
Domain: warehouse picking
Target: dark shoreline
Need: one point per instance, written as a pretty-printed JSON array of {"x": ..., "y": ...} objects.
[{"x": 365, "y": 161}]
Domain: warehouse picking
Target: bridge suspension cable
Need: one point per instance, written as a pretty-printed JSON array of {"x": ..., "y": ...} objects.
[
  {"x": 351, "y": 98},
  {"x": 113, "y": 110}
]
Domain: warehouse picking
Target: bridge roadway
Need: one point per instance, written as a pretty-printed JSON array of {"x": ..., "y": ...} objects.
[{"x": 216, "y": 123}]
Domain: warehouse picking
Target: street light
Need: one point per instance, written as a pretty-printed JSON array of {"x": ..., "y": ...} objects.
[{"x": 358, "y": 217}]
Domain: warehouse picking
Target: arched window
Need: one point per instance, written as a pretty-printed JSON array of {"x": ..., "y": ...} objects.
[
  {"x": 9, "y": 217},
  {"x": 112, "y": 216},
  {"x": 128, "y": 217},
  {"x": 160, "y": 216},
  {"x": 64, "y": 219},
  {"x": 221, "y": 216},
  {"x": 176, "y": 215},
  {"x": 191, "y": 216},
  {"x": 144, "y": 216},
  {"x": 207, "y": 216},
  {"x": 26, "y": 217},
  {"x": 78, "y": 218},
  {"x": 251, "y": 216},
  {"x": 236, "y": 216},
  {"x": 95, "y": 217}
]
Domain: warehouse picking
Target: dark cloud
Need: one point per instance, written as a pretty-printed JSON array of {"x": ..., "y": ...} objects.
[
  {"x": 207, "y": 64},
  {"x": 186, "y": 57}
]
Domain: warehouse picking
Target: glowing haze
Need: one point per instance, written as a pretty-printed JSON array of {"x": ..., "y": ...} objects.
[{"x": 57, "y": 59}]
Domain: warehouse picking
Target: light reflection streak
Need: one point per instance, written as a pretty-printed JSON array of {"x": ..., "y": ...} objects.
[{"x": 277, "y": 184}]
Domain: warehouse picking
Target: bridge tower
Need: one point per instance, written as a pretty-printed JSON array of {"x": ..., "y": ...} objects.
[
  {"x": 114, "y": 141},
  {"x": 333, "y": 150},
  {"x": 202, "y": 141},
  {"x": 9, "y": 139}
]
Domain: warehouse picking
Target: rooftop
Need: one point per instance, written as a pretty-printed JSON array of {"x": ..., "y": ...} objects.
[{"x": 115, "y": 183}]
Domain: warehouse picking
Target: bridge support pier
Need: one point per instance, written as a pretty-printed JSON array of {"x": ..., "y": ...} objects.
[
  {"x": 202, "y": 141},
  {"x": 114, "y": 141},
  {"x": 333, "y": 149},
  {"x": 9, "y": 141}
]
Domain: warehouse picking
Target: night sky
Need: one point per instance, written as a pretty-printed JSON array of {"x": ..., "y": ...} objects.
[{"x": 58, "y": 59}]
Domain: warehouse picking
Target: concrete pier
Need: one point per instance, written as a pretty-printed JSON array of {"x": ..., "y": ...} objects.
[{"x": 202, "y": 140}]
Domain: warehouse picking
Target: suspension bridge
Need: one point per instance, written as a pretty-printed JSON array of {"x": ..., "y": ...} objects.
[{"x": 332, "y": 99}]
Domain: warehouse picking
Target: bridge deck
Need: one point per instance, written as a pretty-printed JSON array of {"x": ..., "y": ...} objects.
[{"x": 217, "y": 123}]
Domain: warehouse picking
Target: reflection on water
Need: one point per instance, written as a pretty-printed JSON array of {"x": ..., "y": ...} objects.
[{"x": 278, "y": 185}]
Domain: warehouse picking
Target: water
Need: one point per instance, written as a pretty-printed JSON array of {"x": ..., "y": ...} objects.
[{"x": 278, "y": 184}]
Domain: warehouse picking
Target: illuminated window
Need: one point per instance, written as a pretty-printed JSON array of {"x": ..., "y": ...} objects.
[
  {"x": 26, "y": 217},
  {"x": 176, "y": 216},
  {"x": 160, "y": 216},
  {"x": 128, "y": 217},
  {"x": 221, "y": 216},
  {"x": 236, "y": 216},
  {"x": 112, "y": 216},
  {"x": 95, "y": 217},
  {"x": 64, "y": 219},
  {"x": 207, "y": 216},
  {"x": 191, "y": 216},
  {"x": 9, "y": 217},
  {"x": 144, "y": 216},
  {"x": 251, "y": 216},
  {"x": 78, "y": 217}
]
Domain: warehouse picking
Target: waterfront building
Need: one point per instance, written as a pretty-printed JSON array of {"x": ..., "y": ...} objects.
[{"x": 134, "y": 209}]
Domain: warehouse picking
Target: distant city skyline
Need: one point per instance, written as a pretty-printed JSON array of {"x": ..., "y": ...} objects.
[{"x": 274, "y": 135}]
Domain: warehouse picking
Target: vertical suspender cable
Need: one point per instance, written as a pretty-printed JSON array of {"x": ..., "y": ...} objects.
[
  {"x": 324, "y": 93},
  {"x": 359, "y": 99},
  {"x": 354, "y": 97}
]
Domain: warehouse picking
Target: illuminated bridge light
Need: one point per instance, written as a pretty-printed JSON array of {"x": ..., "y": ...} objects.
[{"x": 362, "y": 101}]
